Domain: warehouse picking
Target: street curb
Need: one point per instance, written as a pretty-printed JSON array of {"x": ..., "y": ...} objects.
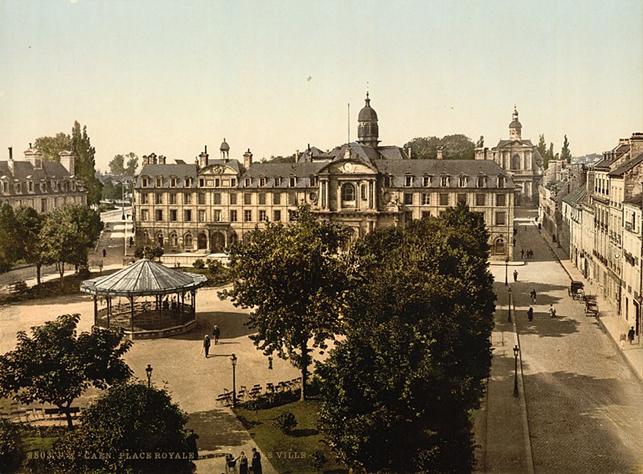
[{"x": 598, "y": 318}]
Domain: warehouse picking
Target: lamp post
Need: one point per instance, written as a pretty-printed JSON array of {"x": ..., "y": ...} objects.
[
  {"x": 233, "y": 359},
  {"x": 506, "y": 270},
  {"x": 124, "y": 218},
  {"x": 148, "y": 371},
  {"x": 516, "y": 352},
  {"x": 509, "y": 305}
]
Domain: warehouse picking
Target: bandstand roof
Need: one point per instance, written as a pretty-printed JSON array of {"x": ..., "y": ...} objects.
[{"x": 144, "y": 277}]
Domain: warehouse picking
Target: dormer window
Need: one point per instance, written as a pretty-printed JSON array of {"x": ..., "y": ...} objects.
[
  {"x": 159, "y": 182},
  {"x": 388, "y": 180},
  {"x": 482, "y": 181},
  {"x": 145, "y": 182},
  {"x": 408, "y": 181},
  {"x": 313, "y": 180},
  {"x": 233, "y": 182},
  {"x": 426, "y": 181},
  {"x": 18, "y": 188},
  {"x": 293, "y": 181},
  {"x": 202, "y": 182},
  {"x": 444, "y": 181},
  {"x": 463, "y": 181},
  {"x": 501, "y": 181},
  {"x": 188, "y": 182},
  {"x": 217, "y": 182},
  {"x": 248, "y": 182},
  {"x": 173, "y": 182},
  {"x": 30, "y": 186},
  {"x": 278, "y": 181},
  {"x": 262, "y": 181}
]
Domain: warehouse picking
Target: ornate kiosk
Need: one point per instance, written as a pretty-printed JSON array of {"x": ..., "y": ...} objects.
[{"x": 145, "y": 300}]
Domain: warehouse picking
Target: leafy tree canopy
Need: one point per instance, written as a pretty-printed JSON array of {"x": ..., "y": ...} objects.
[
  {"x": 416, "y": 351},
  {"x": 294, "y": 280},
  {"x": 124, "y": 165},
  {"x": 56, "y": 365},
  {"x": 52, "y": 146},
  {"x": 456, "y": 147},
  {"x": 565, "y": 153},
  {"x": 28, "y": 226},
  {"x": 9, "y": 242}
]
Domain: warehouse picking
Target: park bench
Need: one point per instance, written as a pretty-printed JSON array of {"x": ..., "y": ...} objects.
[
  {"x": 17, "y": 287},
  {"x": 224, "y": 398}
]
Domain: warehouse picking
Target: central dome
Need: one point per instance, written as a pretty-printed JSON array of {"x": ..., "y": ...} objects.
[
  {"x": 367, "y": 128},
  {"x": 367, "y": 114}
]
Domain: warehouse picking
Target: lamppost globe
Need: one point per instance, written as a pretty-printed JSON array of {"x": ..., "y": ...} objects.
[
  {"x": 233, "y": 359},
  {"x": 516, "y": 352},
  {"x": 148, "y": 371}
]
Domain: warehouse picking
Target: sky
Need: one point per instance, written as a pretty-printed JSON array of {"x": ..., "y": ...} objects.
[{"x": 172, "y": 76}]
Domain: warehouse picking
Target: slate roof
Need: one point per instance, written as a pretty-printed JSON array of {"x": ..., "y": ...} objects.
[
  {"x": 172, "y": 169},
  {"x": 627, "y": 166},
  {"x": 636, "y": 200},
  {"x": 24, "y": 169},
  {"x": 576, "y": 196},
  {"x": 503, "y": 143},
  {"x": 144, "y": 277}
]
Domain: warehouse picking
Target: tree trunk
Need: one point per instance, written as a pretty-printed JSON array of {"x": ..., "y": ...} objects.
[
  {"x": 61, "y": 271},
  {"x": 38, "y": 269},
  {"x": 65, "y": 410},
  {"x": 304, "y": 369}
]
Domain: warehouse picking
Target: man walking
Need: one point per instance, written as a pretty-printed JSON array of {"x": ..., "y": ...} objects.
[
  {"x": 630, "y": 335},
  {"x": 532, "y": 293},
  {"x": 530, "y": 314},
  {"x": 552, "y": 311},
  {"x": 206, "y": 345},
  {"x": 216, "y": 332},
  {"x": 515, "y": 276}
]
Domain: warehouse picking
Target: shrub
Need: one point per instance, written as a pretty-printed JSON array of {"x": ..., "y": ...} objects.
[
  {"x": 319, "y": 459},
  {"x": 286, "y": 422},
  {"x": 199, "y": 264},
  {"x": 214, "y": 267},
  {"x": 9, "y": 446},
  {"x": 139, "y": 252},
  {"x": 271, "y": 400}
]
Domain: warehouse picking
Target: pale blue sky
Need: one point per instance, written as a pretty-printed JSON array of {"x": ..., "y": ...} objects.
[{"x": 171, "y": 76}]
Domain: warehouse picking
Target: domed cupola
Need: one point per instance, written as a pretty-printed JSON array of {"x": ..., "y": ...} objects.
[
  {"x": 367, "y": 128},
  {"x": 515, "y": 128},
  {"x": 224, "y": 149}
]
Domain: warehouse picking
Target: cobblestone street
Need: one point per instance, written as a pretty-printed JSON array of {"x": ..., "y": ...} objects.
[{"x": 584, "y": 405}]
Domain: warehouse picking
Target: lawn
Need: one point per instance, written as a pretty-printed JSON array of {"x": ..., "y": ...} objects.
[{"x": 290, "y": 454}]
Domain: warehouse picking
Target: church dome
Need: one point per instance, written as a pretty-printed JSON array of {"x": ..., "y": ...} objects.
[
  {"x": 367, "y": 127},
  {"x": 515, "y": 123},
  {"x": 224, "y": 146},
  {"x": 367, "y": 114}
]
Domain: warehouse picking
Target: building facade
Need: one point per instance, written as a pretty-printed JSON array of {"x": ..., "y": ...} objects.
[
  {"x": 203, "y": 207},
  {"x": 41, "y": 184},
  {"x": 520, "y": 159}
]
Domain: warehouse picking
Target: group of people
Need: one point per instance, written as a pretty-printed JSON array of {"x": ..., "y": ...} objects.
[
  {"x": 207, "y": 342},
  {"x": 630, "y": 337},
  {"x": 526, "y": 254},
  {"x": 242, "y": 459}
]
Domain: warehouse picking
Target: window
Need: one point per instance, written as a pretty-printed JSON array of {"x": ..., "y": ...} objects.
[
  {"x": 292, "y": 199},
  {"x": 348, "y": 193},
  {"x": 145, "y": 215},
  {"x": 408, "y": 181},
  {"x": 159, "y": 198},
  {"x": 143, "y": 198},
  {"x": 293, "y": 181},
  {"x": 276, "y": 198},
  {"x": 388, "y": 181},
  {"x": 173, "y": 182},
  {"x": 216, "y": 198},
  {"x": 426, "y": 214},
  {"x": 201, "y": 216},
  {"x": 172, "y": 198},
  {"x": 188, "y": 182},
  {"x": 278, "y": 181},
  {"x": 444, "y": 181},
  {"x": 501, "y": 200},
  {"x": 201, "y": 198},
  {"x": 30, "y": 186},
  {"x": 201, "y": 183},
  {"x": 159, "y": 215},
  {"x": 481, "y": 199},
  {"x": 444, "y": 199},
  {"x": 313, "y": 180},
  {"x": 217, "y": 215},
  {"x": 262, "y": 216},
  {"x": 247, "y": 198},
  {"x": 463, "y": 181},
  {"x": 233, "y": 198},
  {"x": 262, "y": 181},
  {"x": 364, "y": 191},
  {"x": 262, "y": 198},
  {"x": 426, "y": 181},
  {"x": 462, "y": 198},
  {"x": 276, "y": 216},
  {"x": 515, "y": 162},
  {"x": 501, "y": 218},
  {"x": 233, "y": 215},
  {"x": 426, "y": 199},
  {"x": 145, "y": 182},
  {"x": 217, "y": 182},
  {"x": 248, "y": 181},
  {"x": 233, "y": 182},
  {"x": 172, "y": 215},
  {"x": 247, "y": 216},
  {"x": 187, "y": 215},
  {"x": 159, "y": 182},
  {"x": 501, "y": 181},
  {"x": 187, "y": 198},
  {"x": 292, "y": 215},
  {"x": 482, "y": 181},
  {"x": 408, "y": 198}
]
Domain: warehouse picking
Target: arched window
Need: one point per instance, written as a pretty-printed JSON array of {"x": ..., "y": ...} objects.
[
  {"x": 501, "y": 181},
  {"x": 515, "y": 162},
  {"x": 348, "y": 193},
  {"x": 499, "y": 246},
  {"x": 463, "y": 181},
  {"x": 159, "y": 239},
  {"x": 187, "y": 241},
  {"x": 364, "y": 191},
  {"x": 174, "y": 241}
]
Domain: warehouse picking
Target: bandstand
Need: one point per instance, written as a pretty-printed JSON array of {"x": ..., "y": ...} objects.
[{"x": 145, "y": 300}]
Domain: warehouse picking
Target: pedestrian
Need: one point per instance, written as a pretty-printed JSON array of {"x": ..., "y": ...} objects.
[
  {"x": 216, "y": 332},
  {"x": 230, "y": 463},
  {"x": 552, "y": 311},
  {"x": 630, "y": 335},
  {"x": 533, "y": 295},
  {"x": 256, "y": 462},
  {"x": 243, "y": 463},
  {"x": 530, "y": 314},
  {"x": 515, "y": 275},
  {"x": 622, "y": 341},
  {"x": 514, "y": 242},
  {"x": 191, "y": 442},
  {"x": 522, "y": 254},
  {"x": 206, "y": 345},
  {"x": 104, "y": 253}
]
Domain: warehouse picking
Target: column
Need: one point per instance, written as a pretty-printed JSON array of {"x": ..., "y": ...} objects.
[
  {"x": 95, "y": 309},
  {"x": 109, "y": 309},
  {"x": 131, "y": 303}
]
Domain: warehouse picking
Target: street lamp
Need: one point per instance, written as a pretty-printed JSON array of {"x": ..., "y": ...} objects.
[
  {"x": 233, "y": 359},
  {"x": 124, "y": 218},
  {"x": 509, "y": 308},
  {"x": 148, "y": 371},
  {"x": 506, "y": 269},
  {"x": 516, "y": 352}
]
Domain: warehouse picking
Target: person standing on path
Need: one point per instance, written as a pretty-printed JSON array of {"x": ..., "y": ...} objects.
[
  {"x": 532, "y": 293},
  {"x": 522, "y": 254},
  {"x": 243, "y": 463},
  {"x": 104, "y": 253},
  {"x": 256, "y": 462},
  {"x": 206, "y": 345},
  {"x": 622, "y": 341},
  {"x": 630, "y": 335},
  {"x": 530, "y": 314},
  {"x": 216, "y": 332},
  {"x": 552, "y": 311},
  {"x": 515, "y": 276}
]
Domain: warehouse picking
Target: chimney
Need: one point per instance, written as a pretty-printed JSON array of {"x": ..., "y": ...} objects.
[
  {"x": 68, "y": 160},
  {"x": 34, "y": 157},
  {"x": 636, "y": 144},
  {"x": 410, "y": 152},
  {"x": 297, "y": 156},
  {"x": 11, "y": 163},
  {"x": 247, "y": 159},
  {"x": 439, "y": 150}
]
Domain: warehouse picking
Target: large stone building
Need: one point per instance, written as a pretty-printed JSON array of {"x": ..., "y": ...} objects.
[
  {"x": 520, "y": 159},
  {"x": 41, "y": 184},
  {"x": 202, "y": 207}
]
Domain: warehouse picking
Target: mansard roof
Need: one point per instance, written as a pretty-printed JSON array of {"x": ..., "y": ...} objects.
[
  {"x": 172, "y": 169},
  {"x": 576, "y": 196},
  {"x": 627, "y": 166},
  {"x": 26, "y": 170}
]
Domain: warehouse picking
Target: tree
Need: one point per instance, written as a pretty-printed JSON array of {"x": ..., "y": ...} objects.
[
  {"x": 28, "y": 226},
  {"x": 293, "y": 278},
  {"x": 416, "y": 351},
  {"x": 542, "y": 149},
  {"x": 85, "y": 163},
  {"x": 9, "y": 239},
  {"x": 565, "y": 153},
  {"x": 120, "y": 167},
  {"x": 68, "y": 234},
  {"x": 52, "y": 146},
  {"x": 129, "y": 419},
  {"x": 55, "y": 365},
  {"x": 10, "y": 446},
  {"x": 456, "y": 147},
  {"x": 550, "y": 156}
]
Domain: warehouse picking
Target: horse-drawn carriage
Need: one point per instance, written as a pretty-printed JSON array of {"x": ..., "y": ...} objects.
[{"x": 576, "y": 290}]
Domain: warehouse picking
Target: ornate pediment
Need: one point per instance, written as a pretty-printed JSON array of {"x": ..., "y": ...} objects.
[
  {"x": 218, "y": 170},
  {"x": 350, "y": 167}
]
